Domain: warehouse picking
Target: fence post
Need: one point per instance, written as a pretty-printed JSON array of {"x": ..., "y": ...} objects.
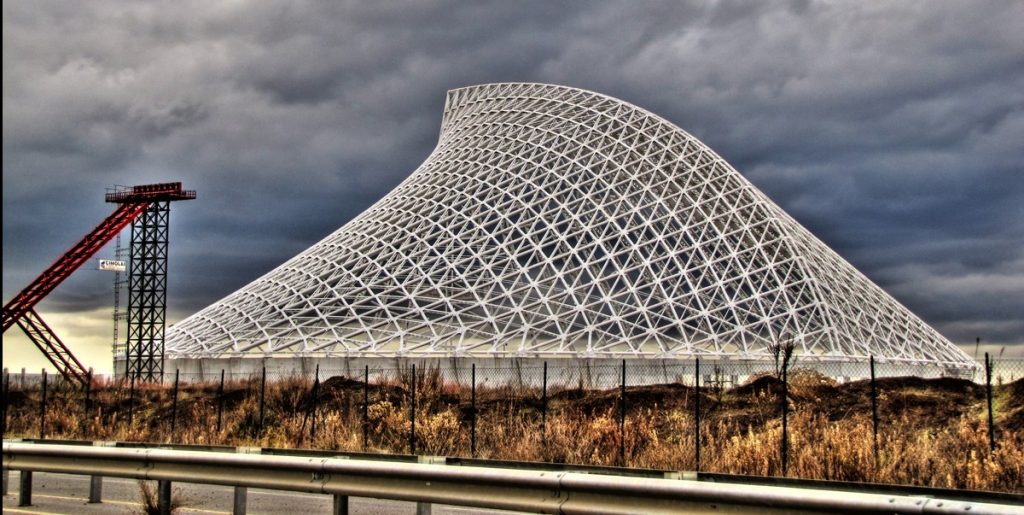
[
  {"x": 42, "y": 409},
  {"x": 220, "y": 401},
  {"x": 622, "y": 417},
  {"x": 309, "y": 409},
  {"x": 7, "y": 393},
  {"x": 366, "y": 407},
  {"x": 412, "y": 414},
  {"x": 174, "y": 406},
  {"x": 544, "y": 408},
  {"x": 131, "y": 402},
  {"x": 263, "y": 395},
  {"x": 472, "y": 411},
  {"x": 313, "y": 407},
  {"x": 874, "y": 413},
  {"x": 785, "y": 416},
  {"x": 696, "y": 413},
  {"x": 988, "y": 394},
  {"x": 88, "y": 392}
]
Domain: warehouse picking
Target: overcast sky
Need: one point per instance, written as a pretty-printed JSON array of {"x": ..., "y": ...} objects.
[{"x": 892, "y": 130}]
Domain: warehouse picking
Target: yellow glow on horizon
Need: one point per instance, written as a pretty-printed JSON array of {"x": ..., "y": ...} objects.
[{"x": 87, "y": 334}]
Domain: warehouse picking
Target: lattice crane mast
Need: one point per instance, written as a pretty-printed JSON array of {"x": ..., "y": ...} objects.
[{"x": 132, "y": 202}]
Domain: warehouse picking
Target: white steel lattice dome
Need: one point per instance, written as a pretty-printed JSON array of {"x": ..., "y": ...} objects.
[{"x": 551, "y": 221}]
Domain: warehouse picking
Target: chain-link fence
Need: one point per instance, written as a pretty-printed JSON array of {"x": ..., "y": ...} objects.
[
  {"x": 584, "y": 374},
  {"x": 898, "y": 423}
]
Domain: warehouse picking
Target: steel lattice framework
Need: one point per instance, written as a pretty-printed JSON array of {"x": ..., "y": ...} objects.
[
  {"x": 147, "y": 293},
  {"x": 553, "y": 221}
]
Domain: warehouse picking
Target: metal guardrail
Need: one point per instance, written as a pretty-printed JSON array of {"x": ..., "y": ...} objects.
[
  {"x": 856, "y": 486},
  {"x": 537, "y": 491}
]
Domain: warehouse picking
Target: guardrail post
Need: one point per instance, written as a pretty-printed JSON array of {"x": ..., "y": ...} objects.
[
  {"x": 25, "y": 489},
  {"x": 340, "y": 504},
  {"x": 95, "y": 489},
  {"x": 238, "y": 504},
  {"x": 423, "y": 508},
  {"x": 696, "y": 414},
  {"x": 163, "y": 497},
  {"x": 42, "y": 409},
  {"x": 472, "y": 412},
  {"x": 220, "y": 400},
  {"x": 96, "y": 482}
]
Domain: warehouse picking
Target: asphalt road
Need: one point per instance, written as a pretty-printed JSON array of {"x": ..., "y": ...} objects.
[{"x": 64, "y": 493}]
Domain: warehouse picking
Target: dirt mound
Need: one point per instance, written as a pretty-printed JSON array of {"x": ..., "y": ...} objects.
[
  {"x": 568, "y": 395},
  {"x": 588, "y": 402},
  {"x": 657, "y": 395},
  {"x": 926, "y": 401},
  {"x": 338, "y": 389},
  {"x": 1012, "y": 416},
  {"x": 637, "y": 397},
  {"x": 941, "y": 384},
  {"x": 811, "y": 386},
  {"x": 347, "y": 390},
  {"x": 1015, "y": 393},
  {"x": 950, "y": 385},
  {"x": 762, "y": 385},
  {"x": 342, "y": 383}
]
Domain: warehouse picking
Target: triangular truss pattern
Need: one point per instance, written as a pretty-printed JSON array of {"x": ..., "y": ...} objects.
[{"x": 553, "y": 221}]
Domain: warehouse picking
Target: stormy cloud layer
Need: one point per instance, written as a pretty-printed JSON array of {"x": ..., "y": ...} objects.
[{"x": 892, "y": 130}]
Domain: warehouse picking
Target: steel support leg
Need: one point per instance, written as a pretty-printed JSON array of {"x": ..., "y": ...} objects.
[
  {"x": 25, "y": 490},
  {"x": 238, "y": 506},
  {"x": 423, "y": 508},
  {"x": 7, "y": 477},
  {"x": 340, "y": 505},
  {"x": 95, "y": 489}
]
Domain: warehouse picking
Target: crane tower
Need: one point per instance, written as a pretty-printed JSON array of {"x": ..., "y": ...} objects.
[{"x": 147, "y": 208}]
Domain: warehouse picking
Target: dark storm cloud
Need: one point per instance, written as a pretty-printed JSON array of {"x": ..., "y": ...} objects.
[{"x": 891, "y": 130}]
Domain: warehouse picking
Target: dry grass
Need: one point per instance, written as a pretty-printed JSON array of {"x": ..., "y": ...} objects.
[
  {"x": 150, "y": 504},
  {"x": 933, "y": 432}
]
